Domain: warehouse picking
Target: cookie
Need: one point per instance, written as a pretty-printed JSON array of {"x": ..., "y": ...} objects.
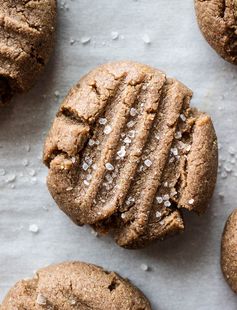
[
  {"x": 75, "y": 285},
  {"x": 26, "y": 33},
  {"x": 228, "y": 251},
  {"x": 126, "y": 153},
  {"x": 217, "y": 20}
]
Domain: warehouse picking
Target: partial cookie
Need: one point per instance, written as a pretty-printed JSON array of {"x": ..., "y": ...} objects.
[
  {"x": 217, "y": 20},
  {"x": 229, "y": 251},
  {"x": 26, "y": 34},
  {"x": 126, "y": 153},
  {"x": 75, "y": 285}
]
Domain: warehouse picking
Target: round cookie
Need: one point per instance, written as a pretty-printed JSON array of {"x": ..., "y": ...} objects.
[
  {"x": 75, "y": 285},
  {"x": 229, "y": 251},
  {"x": 26, "y": 33},
  {"x": 126, "y": 153},
  {"x": 217, "y": 20}
]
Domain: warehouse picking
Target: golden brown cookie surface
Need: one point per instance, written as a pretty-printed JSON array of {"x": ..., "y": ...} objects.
[
  {"x": 229, "y": 251},
  {"x": 75, "y": 285},
  {"x": 26, "y": 41},
  {"x": 126, "y": 153},
  {"x": 218, "y": 22}
]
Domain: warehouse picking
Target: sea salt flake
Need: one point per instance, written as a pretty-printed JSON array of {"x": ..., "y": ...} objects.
[
  {"x": 131, "y": 133},
  {"x": 123, "y": 215},
  {"x": 34, "y": 228},
  {"x": 85, "y": 166},
  {"x": 89, "y": 177},
  {"x": 159, "y": 199},
  {"x": 183, "y": 117},
  {"x": 85, "y": 40},
  {"x": 86, "y": 182},
  {"x": 102, "y": 121},
  {"x": 166, "y": 197},
  {"x": 109, "y": 166},
  {"x": 174, "y": 151},
  {"x": 158, "y": 214},
  {"x": 25, "y": 162},
  {"x": 133, "y": 112},
  {"x": 114, "y": 35},
  {"x": 130, "y": 124},
  {"x": 107, "y": 129},
  {"x": 148, "y": 162},
  {"x": 127, "y": 140},
  {"x": 2, "y": 172},
  {"x": 146, "y": 39},
  {"x": 41, "y": 300},
  {"x": 188, "y": 147},
  {"x": 91, "y": 142},
  {"x": 191, "y": 201},
  {"x": 167, "y": 203},
  {"x": 227, "y": 167},
  {"x": 144, "y": 267},
  {"x": 122, "y": 152},
  {"x": 178, "y": 135}
]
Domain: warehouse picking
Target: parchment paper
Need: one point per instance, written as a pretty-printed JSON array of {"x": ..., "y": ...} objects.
[{"x": 184, "y": 270}]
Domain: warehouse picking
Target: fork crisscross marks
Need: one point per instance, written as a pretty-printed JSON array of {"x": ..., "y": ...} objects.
[
  {"x": 103, "y": 154},
  {"x": 149, "y": 176}
]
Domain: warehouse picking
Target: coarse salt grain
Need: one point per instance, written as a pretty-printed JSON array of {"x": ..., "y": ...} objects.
[
  {"x": 122, "y": 152},
  {"x": 133, "y": 112},
  {"x": 174, "y": 151},
  {"x": 166, "y": 197},
  {"x": 144, "y": 267},
  {"x": 114, "y": 35},
  {"x": 130, "y": 124},
  {"x": 127, "y": 140},
  {"x": 159, "y": 199},
  {"x": 91, "y": 142},
  {"x": 178, "y": 135},
  {"x": 86, "y": 182},
  {"x": 85, "y": 40},
  {"x": 183, "y": 117},
  {"x": 102, "y": 121},
  {"x": 85, "y": 166},
  {"x": 146, "y": 39},
  {"x": 131, "y": 133},
  {"x": 107, "y": 129},
  {"x": 148, "y": 162},
  {"x": 109, "y": 166},
  {"x": 34, "y": 228},
  {"x": 41, "y": 300},
  {"x": 167, "y": 203},
  {"x": 191, "y": 201},
  {"x": 158, "y": 214}
]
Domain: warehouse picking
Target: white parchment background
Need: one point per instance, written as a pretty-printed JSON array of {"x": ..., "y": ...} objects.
[{"x": 185, "y": 272}]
